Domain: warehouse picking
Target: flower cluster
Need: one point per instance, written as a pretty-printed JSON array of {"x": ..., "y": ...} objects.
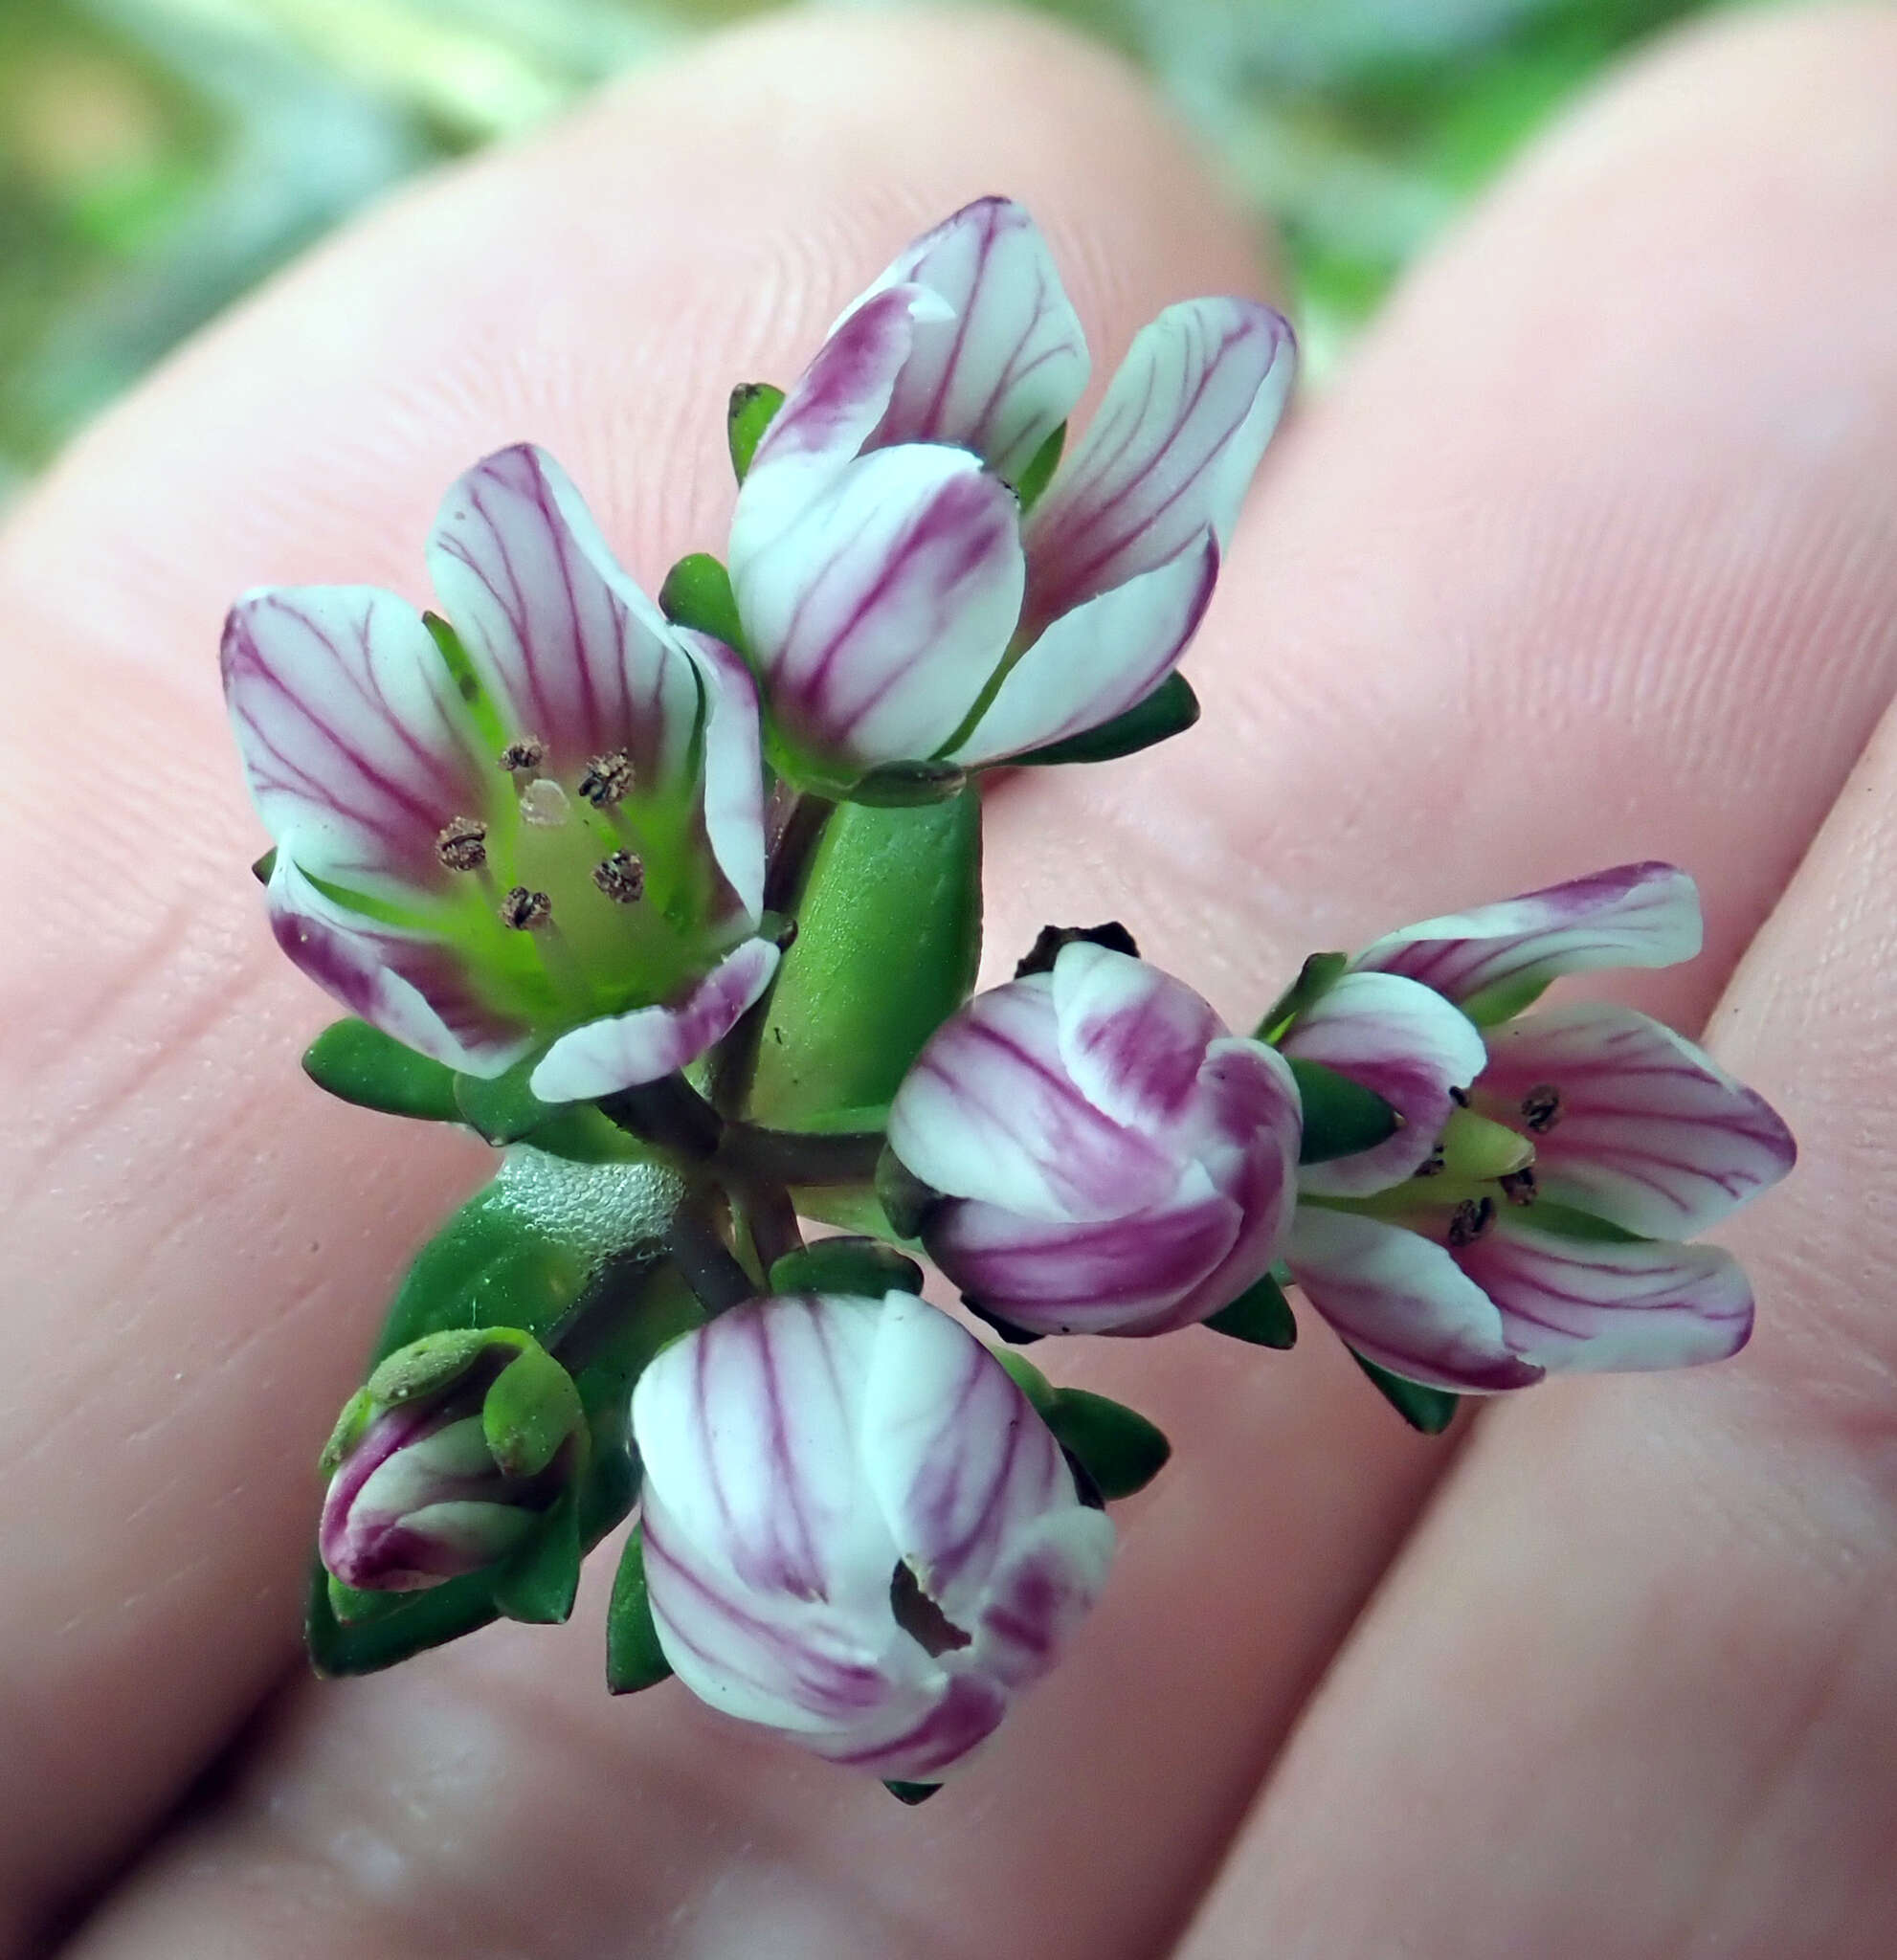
[{"x": 677, "y": 901}]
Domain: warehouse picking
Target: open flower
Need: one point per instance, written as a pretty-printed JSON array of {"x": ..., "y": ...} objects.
[
  {"x": 858, "y": 1531},
  {"x": 1530, "y": 1215},
  {"x": 540, "y": 831},
  {"x": 897, "y": 602},
  {"x": 1113, "y": 1161}
]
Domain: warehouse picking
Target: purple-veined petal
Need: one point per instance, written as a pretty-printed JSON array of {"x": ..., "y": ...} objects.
[
  {"x": 1494, "y": 960},
  {"x": 1100, "y": 660},
  {"x": 621, "y": 1051},
  {"x": 1114, "y": 1276},
  {"x": 1007, "y": 369},
  {"x": 1572, "y": 1305},
  {"x": 960, "y": 1463},
  {"x": 356, "y": 745},
  {"x": 573, "y": 653},
  {"x": 828, "y": 416},
  {"x": 1171, "y": 451},
  {"x": 733, "y": 815},
  {"x": 1648, "y": 1130},
  {"x": 1039, "y": 1597},
  {"x": 942, "y": 1729},
  {"x": 1133, "y": 1039},
  {"x": 1401, "y": 1301},
  {"x": 410, "y": 986},
  {"x": 877, "y": 618},
  {"x": 988, "y": 1111},
  {"x": 1408, "y": 1044}
]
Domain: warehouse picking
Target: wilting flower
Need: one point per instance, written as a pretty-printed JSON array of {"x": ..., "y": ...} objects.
[
  {"x": 1529, "y": 1216},
  {"x": 545, "y": 828},
  {"x": 1113, "y": 1160},
  {"x": 858, "y": 1531},
  {"x": 897, "y": 601},
  {"x": 447, "y": 1461}
]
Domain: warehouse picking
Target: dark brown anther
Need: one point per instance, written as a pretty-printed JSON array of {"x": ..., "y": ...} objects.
[
  {"x": 1470, "y": 1221},
  {"x": 1518, "y": 1186},
  {"x": 607, "y": 780},
  {"x": 1431, "y": 1166},
  {"x": 462, "y": 844},
  {"x": 1541, "y": 1108},
  {"x": 525, "y": 910},
  {"x": 1460, "y": 1097},
  {"x": 527, "y": 753},
  {"x": 621, "y": 877}
]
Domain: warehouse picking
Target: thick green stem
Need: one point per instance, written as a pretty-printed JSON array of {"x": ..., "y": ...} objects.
[
  {"x": 795, "y": 1157},
  {"x": 670, "y": 1114},
  {"x": 710, "y": 1267}
]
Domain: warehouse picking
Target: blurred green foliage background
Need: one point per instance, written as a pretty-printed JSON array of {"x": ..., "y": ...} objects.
[{"x": 157, "y": 157}]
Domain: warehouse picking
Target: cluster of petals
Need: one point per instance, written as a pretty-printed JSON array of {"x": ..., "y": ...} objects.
[
  {"x": 857, "y": 1532},
  {"x": 898, "y": 601},
  {"x": 540, "y": 835},
  {"x": 1530, "y": 1216}
]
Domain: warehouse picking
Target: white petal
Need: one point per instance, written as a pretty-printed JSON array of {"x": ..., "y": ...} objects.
[
  {"x": 1007, "y": 369},
  {"x": 1651, "y": 1132},
  {"x": 1171, "y": 451},
  {"x": 356, "y": 745},
  {"x": 1041, "y": 1596},
  {"x": 1133, "y": 1039},
  {"x": 733, "y": 813},
  {"x": 1401, "y": 1301},
  {"x": 1495, "y": 958},
  {"x": 573, "y": 653},
  {"x": 1098, "y": 659},
  {"x": 1409, "y": 1045},
  {"x": 877, "y": 618},
  {"x": 621, "y": 1051}
]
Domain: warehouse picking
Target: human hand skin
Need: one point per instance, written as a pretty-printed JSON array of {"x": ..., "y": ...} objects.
[{"x": 1592, "y": 555}]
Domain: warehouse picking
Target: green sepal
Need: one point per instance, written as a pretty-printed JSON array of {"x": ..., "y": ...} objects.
[
  {"x": 1026, "y": 1377},
  {"x": 903, "y": 785},
  {"x": 902, "y": 1198},
  {"x": 263, "y": 867},
  {"x": 852, "y": 1208},
  {"x": 1115, "y": 1445},
  {"x": 1505, "y": 1000},
  {"x": 634, "y": 1659},
  {"x": 502, "y": 1109},
  {"x": 1316, "y": 977},
  {"x": 467, "y": 681},
  {"x": 1430, "y": 1411},
  {"x": 890, "y": 892},
  {"x": 540, "y": 1582},
  {"x": 360, "y": 1064},
  {"x": 434, "y": 1361},
  {"x": 1341, "y": 1116},
  {"x": 1260, "y": 1314},
  {"x": 861, "y": 1266},
  {"x": 358, "y": 1412},
  {"x": 1565, "y": 1221},
  {"x": 753, "y": 408},
  {"x": 911, "y": 1793},
  {"x": 530, "y": 1412},
  {"x": 697, "y": 594},
  {"x": 1168, "y": 710},
  {"x": 1039, "y": 472}
]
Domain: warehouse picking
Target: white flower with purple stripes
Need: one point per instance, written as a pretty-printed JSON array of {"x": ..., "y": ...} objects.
[
  {"x": 537, "y": 832},
  {"x": 1530, "y": 1215},
  {"x": 899, "y": 598},
  {"x": 857, "y": 1532}
]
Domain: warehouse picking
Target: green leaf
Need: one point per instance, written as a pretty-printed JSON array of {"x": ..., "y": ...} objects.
[
  {"x": 697, "y": 594},
  {"x": 753, "y": 408},
  {"x": 1039, "y": 472},
  {"x": 634, "y": 1659},
  {"x": 539, "y": 1583},
  {"x": 1026, "y": 1377},
  {"x": 911, "y": 1793},
  {"x": 846, "y": 1265},
  {"x": 1428, "y": 1410},
  {"x": 530, "y": 1412},
  {"x": 900, "y": 785},
  {"x": 1115, "y": 1445},
  {"x": 1168, "y": 710},
  {"x": 1341, "y": 1117},
  {"x": 501, "y": 1108},
  {"x": 889, "y": 931},
  {"x": 360, "y": 1064},
  {"x": 264, "y": 866},
  {"x": 1260, "y": 1314},
  {"x": 1316, "y": 977},
  {"x": 1505, "y": 1000}
]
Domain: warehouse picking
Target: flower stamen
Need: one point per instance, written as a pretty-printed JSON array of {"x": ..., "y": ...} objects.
[
  {"x": 526, "y": 911},
  {"x": 608, "y": 779},
  {"x": 527, "y": 754},
  {"x": 1469, "y": 1221},
  {"x": 462, "y": 844},
  {"x": 1518, "y": 1186},
  {"x": 1541, "y": 1107},
  {"x": 621, "y": 877}
]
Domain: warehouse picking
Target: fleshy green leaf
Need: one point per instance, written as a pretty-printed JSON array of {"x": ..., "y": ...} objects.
[
  {"x": 1316, "y": 977},
  {"x": 360, "y": 1064},
  {"x": 539, "y": 1583},
  {"x": 1039, "y": 472},
  {"x": 846, "y": 1265},
  {"x": 501, "y": 1108},
  {"x": 901, "y": 785},
  {"x": 911, "y": 1793},
  {"x": 1260, "y": 1314},
  {"x": 530, "y": 1412},
  {"x": 889, "y": 932},
  {"x": 755, "y": 406},
  {"x": 697, "y": 594},
  {"x": 1026, "y": 1377},
  {"x": 634, "y": 1659},
  {"x": 1428, "y": 1410},
  {"x": 1168, "y": 710},
  {"x": 1341, "y": 1117},
  {"x": 1115, "y": 1445}
]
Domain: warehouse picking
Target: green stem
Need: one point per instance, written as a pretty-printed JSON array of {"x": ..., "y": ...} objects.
[
  {"x": 669, "y": 1113},
  {"x": 711, "y": 1269},
  {"x": 795, "y": 1157}
]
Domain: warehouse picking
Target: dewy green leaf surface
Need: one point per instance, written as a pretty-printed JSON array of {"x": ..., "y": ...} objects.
[{"x": 889, "y": 932}]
